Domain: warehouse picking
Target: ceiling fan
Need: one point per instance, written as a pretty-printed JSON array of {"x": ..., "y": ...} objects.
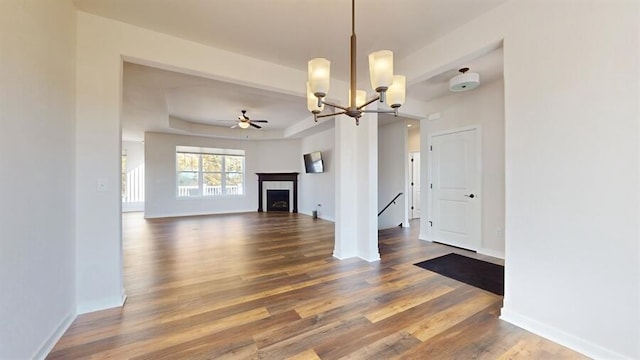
[{"x": 244, "y": 121}]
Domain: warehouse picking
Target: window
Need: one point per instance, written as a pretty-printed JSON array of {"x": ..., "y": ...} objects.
[
  {"x": 209, "y": 171},
  {"x": 123, "y": 174}
]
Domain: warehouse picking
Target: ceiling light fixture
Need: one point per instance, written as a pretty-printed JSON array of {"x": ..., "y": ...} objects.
[
  {"x": 243, "y": 124},
  {"x": 464, "y": 81},
  {"x": 390, "y": 87}
]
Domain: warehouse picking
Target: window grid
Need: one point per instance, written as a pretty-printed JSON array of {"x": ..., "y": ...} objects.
[{"x": 206, "y": 183}]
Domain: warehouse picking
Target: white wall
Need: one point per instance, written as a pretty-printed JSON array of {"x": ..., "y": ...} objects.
[
  {"x": 392, "y": 174},
  {"x": 37, "y": 112},
  {"x": 483, "y": 106},
  {"x": 319, "y": 188},
  {"x": 572, "y": 164},
  {"x": 160, "y": 162}
]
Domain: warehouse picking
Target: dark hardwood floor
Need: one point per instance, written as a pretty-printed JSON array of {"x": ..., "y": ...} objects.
[{"x": 265, "y": 286}]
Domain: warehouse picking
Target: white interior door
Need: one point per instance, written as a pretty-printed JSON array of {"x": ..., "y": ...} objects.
[
  {"x": 455, "y": 187},
  {"x": 415, "y": 185}
]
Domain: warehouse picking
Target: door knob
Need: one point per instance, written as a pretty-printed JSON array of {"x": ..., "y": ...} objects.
[{"x": 470, "y": 196}]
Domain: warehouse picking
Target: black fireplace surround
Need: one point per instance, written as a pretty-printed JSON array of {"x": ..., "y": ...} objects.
[{"x": 293, "y": 177}]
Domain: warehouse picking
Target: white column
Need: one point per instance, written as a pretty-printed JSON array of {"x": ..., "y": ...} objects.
[
  {"x": 346, "y": 185},
  {"x": 367, "y": 206},
  {"x": 357, "y": 188}
]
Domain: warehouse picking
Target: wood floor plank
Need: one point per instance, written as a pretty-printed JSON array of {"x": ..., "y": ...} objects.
[
  {"x": 266, "y": 286},
  {"x": 427, "y": 328},
  {"x": 404, "y": 303},
  {"x": 225, "y": 344},
  {"x": 388, "y": 326},
  {"x": 386, "y": 348},
  {"x": 305, "y": 355}
]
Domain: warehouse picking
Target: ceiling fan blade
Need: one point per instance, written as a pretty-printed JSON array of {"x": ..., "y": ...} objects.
[
  {"x": 260, "y": 121},
  {"x": 255, "y": 126},
  {"x": 234, "y": 126}
]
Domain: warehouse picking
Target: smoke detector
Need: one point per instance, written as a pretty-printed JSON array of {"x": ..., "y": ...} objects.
[{"x": 464, "y": 81}]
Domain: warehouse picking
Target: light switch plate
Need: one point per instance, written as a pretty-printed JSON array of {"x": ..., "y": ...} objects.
[{"x": 102, "y": 185}]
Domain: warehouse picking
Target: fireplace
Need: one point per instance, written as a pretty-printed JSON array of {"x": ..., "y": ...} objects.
[
  {"x": 278, "y": 200},
  {"x": 292, "y": 178}
]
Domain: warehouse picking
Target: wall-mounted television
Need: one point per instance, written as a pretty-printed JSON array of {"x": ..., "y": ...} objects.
[{"x": 313, "y": 162}]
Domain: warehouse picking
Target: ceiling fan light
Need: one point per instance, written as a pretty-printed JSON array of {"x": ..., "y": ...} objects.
[
  {"x": 243, "y": 124},
  {"x": 312, "y": 101},
  {"x": 319, "y": 74},
  {"x": 381, "y": 69},
  {"x": 396, "y": 95},
  {"x": 361, "y": 97}
]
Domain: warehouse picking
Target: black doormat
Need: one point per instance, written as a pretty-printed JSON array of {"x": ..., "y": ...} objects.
[{"x": 478, "y": 273}]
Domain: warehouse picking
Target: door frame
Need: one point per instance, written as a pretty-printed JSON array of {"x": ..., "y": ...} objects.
[
  {"x": 429, "y": 190},
  {"x": 412, "y": 172}
]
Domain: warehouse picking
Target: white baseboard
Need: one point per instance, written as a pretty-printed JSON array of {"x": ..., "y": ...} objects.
[
  {"x": 103, "y": 304},
  {"x": 339, "y": 256},
  {"x": 558, "y": 336},
  {"x": 320, "y": 215},
  {"x": 424, "y": 237},
  {"x": 45, "y": 348},
  {"x": 491, "y": 252},
  {"x": 327, "y": 218},
  {"x": 371, "y": 258},
  {"x": 197, "y": 213}
]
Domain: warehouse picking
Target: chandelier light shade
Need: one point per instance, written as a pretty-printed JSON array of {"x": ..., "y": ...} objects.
[
  {"x": 383, "y": 81},
  {"x": 396, "y": 93},
  {"x": 243, "y": 124},
  {"x": 319, "y": 74},
  {"x": 381, "y": 69}
]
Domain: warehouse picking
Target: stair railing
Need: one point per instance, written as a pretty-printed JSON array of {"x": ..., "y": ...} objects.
[{"x": 390, "y": 203}]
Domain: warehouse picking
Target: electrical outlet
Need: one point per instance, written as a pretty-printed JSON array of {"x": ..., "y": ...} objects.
[{"x": 500, "y": 233}]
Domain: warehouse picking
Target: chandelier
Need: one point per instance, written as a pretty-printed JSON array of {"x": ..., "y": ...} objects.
[{"x": 390, "y": 87}]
